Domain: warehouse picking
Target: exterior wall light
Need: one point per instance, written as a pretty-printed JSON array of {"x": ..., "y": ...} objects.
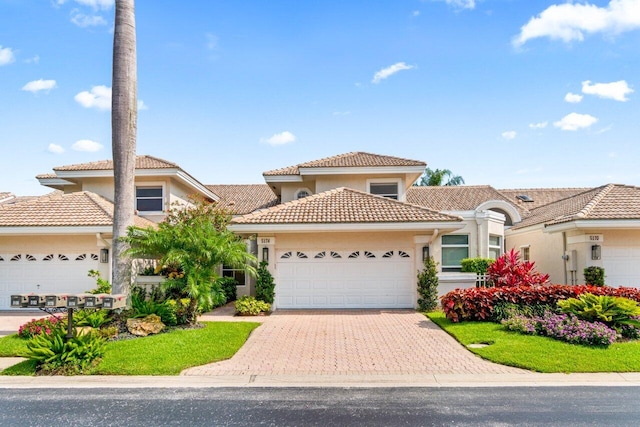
[
  {"x": 265, "y": 254},
  {"x": 425, "y": 252},
  {"x": 596, "y": 252},
  {"x": 104, "y": 255}
]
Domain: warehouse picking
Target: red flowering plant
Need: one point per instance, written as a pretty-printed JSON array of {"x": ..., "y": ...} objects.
[
  {"x": 44, "y": 326},
  {"x": 510, "y": 270}
]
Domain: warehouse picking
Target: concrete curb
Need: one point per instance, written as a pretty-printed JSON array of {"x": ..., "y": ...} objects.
[{"x": 327, "y": 381}]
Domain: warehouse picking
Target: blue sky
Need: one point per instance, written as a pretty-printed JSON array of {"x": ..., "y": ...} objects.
[{"x": 511, "y": 93}]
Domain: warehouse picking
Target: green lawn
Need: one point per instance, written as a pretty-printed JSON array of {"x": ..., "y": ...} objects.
[
  {"x": 540, "y": 354},
  {"x": 163, "y": 354}
]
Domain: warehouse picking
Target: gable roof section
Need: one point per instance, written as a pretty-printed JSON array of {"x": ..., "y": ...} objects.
[
  {"x": 455, "y": 197},
  {"x": 356, "y": 159},
  {"x": 540, "y": 196},
  {"x": 344, "y": 206},
  {"x": 609, "y": 202},
  {"x": 81, "y": 209},
  {"x": 243, "y": 199}
]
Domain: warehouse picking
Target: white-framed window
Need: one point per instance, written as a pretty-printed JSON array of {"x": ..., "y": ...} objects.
[
  {"x": 237, "y": 273},
  {"x": 495, "y": 246},
  {"x": 525, "y": 253},
  {"x": 455, "y": 248},
  {"x": 302, "y": 193},
  {"x": 149, "y": 198},
  {"x": 385, "y": 188}
]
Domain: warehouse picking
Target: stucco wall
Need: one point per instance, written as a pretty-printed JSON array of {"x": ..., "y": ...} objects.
[
  {"x": 545, "y": 250},
  {"x": 321, "y": 183}
]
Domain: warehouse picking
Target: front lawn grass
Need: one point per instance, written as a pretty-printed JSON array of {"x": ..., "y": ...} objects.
[
  {"x": 541, "y": 354},
  {"x": 12, "y": 346},
  {"x": 163, "y": 354}
]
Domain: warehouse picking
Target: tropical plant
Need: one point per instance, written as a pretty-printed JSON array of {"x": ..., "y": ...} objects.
[
  {"x": 265, "y": 287},
  {"x": 73, "y": 355},
  {"x": 476, "y": 265},
  {"x": 44, "y": 326},
  {"x": 594, "y": 276},
  {"x": 229, "y": 286},
  {"x": 250, "y": 306},
  {"x": 124, "y": 122},
  {"x": 428, "y": 286},
  {"x": 510, "y": 270},
  {"x": 613, "y": 311},
  {"x": 102, "y": 285},
  {"x": 438, "y": 177},
  {"x": 143, "y": 308},
  {"x": 195, "y": 239},
  {"x": 94, "y": 318}
]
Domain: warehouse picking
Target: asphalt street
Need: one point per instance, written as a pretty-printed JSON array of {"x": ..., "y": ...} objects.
[{"x": 522, "y": 406}]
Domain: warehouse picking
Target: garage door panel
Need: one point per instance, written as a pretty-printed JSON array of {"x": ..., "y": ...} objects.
[
  {"x": 621, "y": 265},
  {"x": 366, "y": 280}
]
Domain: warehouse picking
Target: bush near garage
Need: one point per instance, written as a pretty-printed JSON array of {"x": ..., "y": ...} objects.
[{"x": 480, "y": 304}]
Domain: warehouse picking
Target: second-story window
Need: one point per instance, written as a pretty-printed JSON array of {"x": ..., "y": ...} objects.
[
  {"x": 384, "y": 189},
  {"x": 149, "y": 199}
]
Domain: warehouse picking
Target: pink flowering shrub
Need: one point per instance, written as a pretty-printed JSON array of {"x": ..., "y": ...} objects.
[{"x": 44, "y": 326}]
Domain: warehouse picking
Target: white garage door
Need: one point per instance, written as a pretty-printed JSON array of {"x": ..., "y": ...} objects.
[
  {"x": 45, "y": 273},
  {"x": 621, "y": 265},
  {"x": 346, "y": 279}
]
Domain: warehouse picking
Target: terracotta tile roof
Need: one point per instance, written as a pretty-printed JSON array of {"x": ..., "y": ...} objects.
[
  {"x": 142, "y": 162},
  {"x": 46, "y": 176},
  {"x": 347, "y": 160},
  {"x": 612, "y": 201},
  {"x": 540, "y": 196},
  {"x": 455, "y": 197},
  {"x": 5, "y": 195},
  {"x": 344, "y": 205},
  {"x": 62, "y": 210},
  {"x": 243, "y": 199}
]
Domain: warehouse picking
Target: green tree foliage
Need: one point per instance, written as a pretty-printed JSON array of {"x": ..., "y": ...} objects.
[
  {"x": 196, "y": 239},
  {"x": 265, "y": 288},
  {"x": 439, "y": 177},
  {"x": 594, "y": 276},
  {"x": 428, "y": 286}
]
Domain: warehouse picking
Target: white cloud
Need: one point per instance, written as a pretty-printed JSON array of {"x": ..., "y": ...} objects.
[
  {"x": 83, "y": 21},
  {"x": 389, "y": 71},
  {"x": 6, "y": 56},
  {"x": 36, "y": 86},
  {"x": 540, "y": 125},
  {"x": 614, "y": 90},
  {"x": 55, "y": 149},
  {"x": 99, "y": 97},
  {"x": 415, "y": 13},
  {"x": 462, "y": 4},
  {"x": 95, "y": 4},
  {"x": 33, "y": 60},
  {"x": 142, "y": 105},
  {"x": 341, "y": 113},
  {"x": 573, "y": 98},
  {"x": 87, "y": 145},
  {"x": 283, "y": 138},
  {"x": 575, "y": 121},
  {"x": 509, "y": 135},
  {"x": 571, "y": 21}
]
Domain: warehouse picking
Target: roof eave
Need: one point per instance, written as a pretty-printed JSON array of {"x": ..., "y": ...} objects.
[
  {"x": 55, "y": 230},
  {"x": 346, "y": 227},
  {"x": 615, "y": 224},
  {"x": 362, "y": 170},
  {"x": 282, "y": 178}
]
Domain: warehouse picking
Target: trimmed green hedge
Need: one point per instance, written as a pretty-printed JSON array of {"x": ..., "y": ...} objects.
[{"x": 476, "y": 265}]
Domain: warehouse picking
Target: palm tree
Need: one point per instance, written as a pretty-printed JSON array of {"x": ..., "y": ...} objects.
[
  {"x": 438, "y": 177},
  {"x": 124, "y": 120}
]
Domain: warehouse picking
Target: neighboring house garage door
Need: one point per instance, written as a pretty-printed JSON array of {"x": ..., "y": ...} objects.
[
  {"x": 345, "y": 279},
  {"x": 621, "y": 265},
  {"x": 45, "y": 273}
]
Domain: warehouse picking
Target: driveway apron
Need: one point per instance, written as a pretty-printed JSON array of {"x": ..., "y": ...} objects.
[{"x": 350, "y": 342}]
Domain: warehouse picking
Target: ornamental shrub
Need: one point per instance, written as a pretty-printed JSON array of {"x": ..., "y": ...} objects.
[
  {"x": 265, "y": 287},
  {"x": 480, "y": 303},
  {"x": 44, "y": 326},
  {"x": 94, "y": 318},
  {"x": 428, "y": 286},
  {"x": 250, "y": 306},
  {"x": 519, "y": 323},
  {"x": 594, "y": 276},
  {"x": 53, "y": 353},
  {"x": 510, "y": 270},
  {"x": 613, "y": 311},
  {"x": 476, "y": 265},
  {"x": 229, "y": 287},
  {"x": 569, "y": 328}
]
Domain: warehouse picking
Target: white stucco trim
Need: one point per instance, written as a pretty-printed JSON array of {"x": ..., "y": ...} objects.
[
  {"x": 501, "y": 204},
  {"x": 371, "y": 170},
  {"x": 618, "y": 224},
  {"x": 282, "y": 178},
  {"x": 28, "y": 231},
  {"x": 397, "y": 181},
  {"x": 47, "y": 182},
  {"x": 358, "y": 227}
]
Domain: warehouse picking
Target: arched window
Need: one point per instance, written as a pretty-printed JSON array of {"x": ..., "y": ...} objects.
[{"x": 302, "y": 193}]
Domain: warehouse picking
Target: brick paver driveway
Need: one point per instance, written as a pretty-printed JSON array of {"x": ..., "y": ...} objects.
[{"x": 350, "y": 342}]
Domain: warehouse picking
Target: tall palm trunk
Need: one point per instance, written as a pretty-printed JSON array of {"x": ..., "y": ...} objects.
[{"x": 124, "y": 117}]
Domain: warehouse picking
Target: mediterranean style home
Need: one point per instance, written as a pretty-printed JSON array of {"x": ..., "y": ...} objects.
[{"x": 348, "y": 231}]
